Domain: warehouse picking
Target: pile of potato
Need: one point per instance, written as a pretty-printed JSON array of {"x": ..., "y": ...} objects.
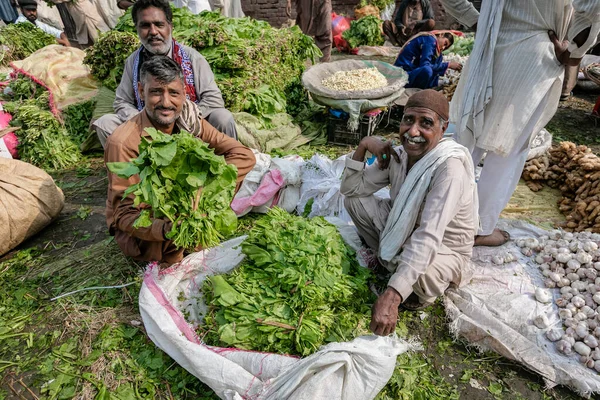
[{"x": 575, "y": 170}]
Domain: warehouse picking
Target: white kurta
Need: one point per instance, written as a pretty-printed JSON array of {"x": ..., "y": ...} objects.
[
  {"x": 438, "y": 250},
  {"x": 88, "y": 22},
  {"x": 510, "y": 88}
]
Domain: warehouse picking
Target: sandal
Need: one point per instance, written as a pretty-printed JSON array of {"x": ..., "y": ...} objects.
[{"x": 413, "y": 303}]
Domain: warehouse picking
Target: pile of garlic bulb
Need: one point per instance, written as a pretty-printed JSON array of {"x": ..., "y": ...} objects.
[
  {"x": 503, "y": 258},
  {"x": 570, "y": 262},
  {"x": 449, "y": 81}
]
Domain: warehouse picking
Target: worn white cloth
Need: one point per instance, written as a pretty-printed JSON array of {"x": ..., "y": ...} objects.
[
  {"x": 88, "y": 22},
  {"x": 232, "y": 9},
  {"x": 49, "y": 15},
  {"x": 513, "y": 67},
  {"x": 403, "y": 216},
  {"x": 50, "y": 30},
  {"x": 195, "y": 6},
  {"x": 109, "y": 11},
  {"x": 510, "y": 87}
]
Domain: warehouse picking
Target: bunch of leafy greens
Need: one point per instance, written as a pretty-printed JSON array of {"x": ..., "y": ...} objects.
[
  {"x": 77, "y": 119},
  {"x": 415, "y": 379},
  {"x": 463, "y": 46},
  {"x": 288, "y": 296},
  {"x": 380, "y": 4},
  {"x": 43, "y": 140},
  {"x": 18, "y": 41},
  {"x": 364, "y": 32},
  {"x": 22, "y": 88},
  {"x": 37, "y": 146},
  {"x": 183, "y": 180},
  {"x": 256, "y": 66},
  {"x": 106, "y": 58}
]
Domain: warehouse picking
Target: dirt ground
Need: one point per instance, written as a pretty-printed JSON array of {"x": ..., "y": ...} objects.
[{"x": 81, "y": 225}]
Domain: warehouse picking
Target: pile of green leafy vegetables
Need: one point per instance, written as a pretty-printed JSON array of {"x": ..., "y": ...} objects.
[
  {"x": 77, "y": 118},
  {"x": 44, "y": 141},
  {"x": 463, "y": 46},
  {"x": 257, "y": 67},
  {"x": 18, "y": 41},
  {"x": 106, "y": 58},
  {"x": 364, "y": 32},
  {"x": 380, "y": 4},
  {"x": 299, "y": 287},
  {"x": 181, "y": 179}
]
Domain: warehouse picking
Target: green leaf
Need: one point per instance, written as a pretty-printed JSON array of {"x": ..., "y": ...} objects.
[
  {"x": 143, "y": 221},
  {"x": 123, "y": 169},
  {"x": 495, "y": 388}
]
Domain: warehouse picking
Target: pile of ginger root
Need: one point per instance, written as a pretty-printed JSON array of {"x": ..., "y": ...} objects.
[{"x": 575, "y": 170}]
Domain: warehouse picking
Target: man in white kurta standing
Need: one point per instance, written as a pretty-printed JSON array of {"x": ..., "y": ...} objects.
[
  {"x": 423, "y": 234},
  {"x": 510, "y": 87}
]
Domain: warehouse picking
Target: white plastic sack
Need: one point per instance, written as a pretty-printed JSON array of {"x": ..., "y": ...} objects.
[
  {"x": 351, "y": 371},
  {"x": 253, "y": 178},
  {"x": 286, "y": 171},
  {"x": 384, "y": 51},
  {"x": 540, "y": 144},
  {"x": 321, "y": 180},
  {"x": 495, "y": 312}
]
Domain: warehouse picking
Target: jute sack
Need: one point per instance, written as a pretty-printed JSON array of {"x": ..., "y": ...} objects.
[{"x": 29, "y": 200}]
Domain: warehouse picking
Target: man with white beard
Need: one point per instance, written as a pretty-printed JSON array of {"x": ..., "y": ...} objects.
[
  {"x": 511, "y": 85},
  {"x": 153, "y": 21},
  {"x": 423, "y": 234}
]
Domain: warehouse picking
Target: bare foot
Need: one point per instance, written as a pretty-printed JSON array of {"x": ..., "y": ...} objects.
[{"x": 496, "y": 238}]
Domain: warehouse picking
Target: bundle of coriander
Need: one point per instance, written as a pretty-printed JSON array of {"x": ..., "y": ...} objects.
[
  {"x": 106, "y": 58},
  {"x": 183, "y": 180},
  {"x": 299, "y": 287},
  {"x": 43, "y": 140},
  {"x": 42, "y": 134},
  {"x": 18, "y": 41}
]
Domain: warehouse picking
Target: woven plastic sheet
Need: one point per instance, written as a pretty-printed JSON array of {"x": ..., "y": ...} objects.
[
  {"x": 496, "y": 309},
  {"x": 355, "y": 103},
  {"x": 61, "y": 70},
  {"x": 350, "y": 370},
  {"x": 312, "y": 79}
]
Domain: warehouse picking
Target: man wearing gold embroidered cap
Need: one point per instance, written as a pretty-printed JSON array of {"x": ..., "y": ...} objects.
[{"x": 423, "y": 234}]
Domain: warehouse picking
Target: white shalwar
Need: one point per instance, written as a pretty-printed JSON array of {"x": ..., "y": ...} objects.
[{"x": 510, "y": 88}]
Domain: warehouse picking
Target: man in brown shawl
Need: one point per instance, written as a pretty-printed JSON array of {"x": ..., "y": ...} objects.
[{"x": 314, "y": 19}]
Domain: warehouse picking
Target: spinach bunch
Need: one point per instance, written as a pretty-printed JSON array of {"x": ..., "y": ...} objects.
[
  {"x": 181, "y": 179},
  {"x": 364, "y": 32},
  {"x": 299, "y": 287}
]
